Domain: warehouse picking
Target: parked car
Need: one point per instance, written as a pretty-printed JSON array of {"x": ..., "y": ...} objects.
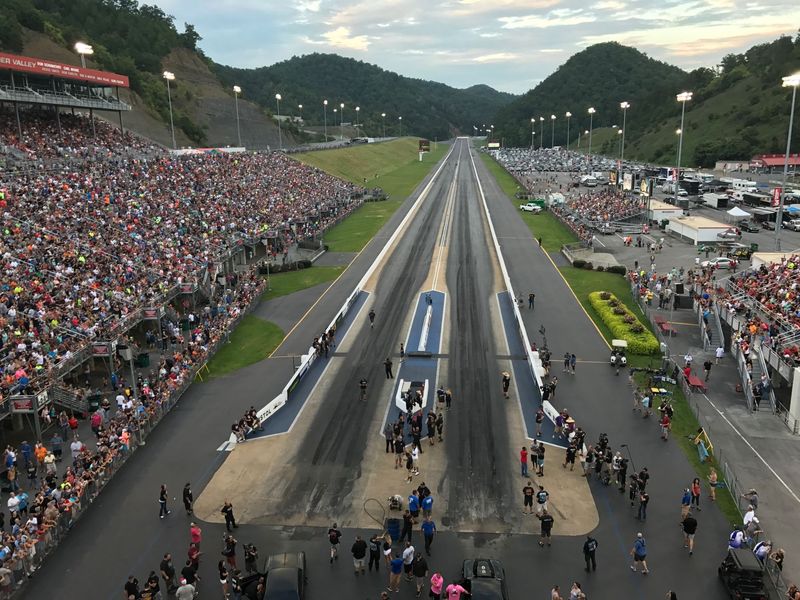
[
  {"x": 682, "y": 192},
  {"x": 740, "y": 253},
  {"x": 794, "y": 225},
  {"x": 742, "y": 575},
  {"x": 768, "y": 225},
  {"x": 721, "y": 262},
  {"x": 749, "y": 226},
  {"x": 732, "y": 233},
  {"x": 485, "y": 579},
  {"x": 531, "y": 207},
  {"x": 285, "y": 575}
]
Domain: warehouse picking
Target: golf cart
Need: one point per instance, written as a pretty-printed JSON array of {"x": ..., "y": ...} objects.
[
  {"x": 743, "y": 575},
  {"x": 618, "y": 358}
]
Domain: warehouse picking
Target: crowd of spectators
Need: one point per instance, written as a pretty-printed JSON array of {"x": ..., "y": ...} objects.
[
  {"x": 86, "y": 245},
  {"x": 602, "y": 206}
]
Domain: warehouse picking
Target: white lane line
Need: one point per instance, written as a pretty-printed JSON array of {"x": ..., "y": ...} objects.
[
  {"x": 447, "y": 222},
  {"x": 756, "y": 452}
]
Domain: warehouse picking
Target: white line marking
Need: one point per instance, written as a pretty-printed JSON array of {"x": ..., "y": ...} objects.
[{"x": 749, "y": 445}]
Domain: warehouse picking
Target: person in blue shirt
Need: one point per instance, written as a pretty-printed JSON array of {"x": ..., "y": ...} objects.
[
  {"x": 427, "y": 506},
  {"x": 413, "y": 505},
  {"x": 395, "y": 572},
  {"x": 639, "y": 554},
  {"x": 428, "y": 530},
  {"x": 27, "y": 451},
  {"x": 686, "y": 502}
]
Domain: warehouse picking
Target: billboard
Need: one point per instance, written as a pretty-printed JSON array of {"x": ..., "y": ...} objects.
[
  {"x": 627, "y": 182},
  {"x": 776, "y": 196},
  {"x": 38, "y": 66},
  {"x": 424, "y": 145},
  {"x": 612, "y": 178},
  {"x": 646, "y": 187}
]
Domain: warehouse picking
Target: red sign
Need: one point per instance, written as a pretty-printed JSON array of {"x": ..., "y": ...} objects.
[
  {"x": 776, "y": 196},
  {"x": 22, "y": 404},
  {"x": 25, "y": 64}
]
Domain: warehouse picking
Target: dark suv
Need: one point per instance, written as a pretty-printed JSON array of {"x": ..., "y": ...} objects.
[{"x": 743, "y": 575}]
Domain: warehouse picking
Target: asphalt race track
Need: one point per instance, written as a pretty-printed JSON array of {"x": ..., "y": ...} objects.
[{"x": 121, "y": 534}]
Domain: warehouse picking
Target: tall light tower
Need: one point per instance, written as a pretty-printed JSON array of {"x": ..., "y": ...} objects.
[
  {"x": 341, "y": 121},
  {"x": 683, "y": 98},
  {"x": 552, "y": 131},
  {"x": 84, "y": 50},
  {"x": 541, "y": 132},
  {"x": 358, "y": 110},
  {"x": 400, "y": 120},
  {"x": 280, "y": 135},
  {"x": 568, "y": 115},
  {"x": 792, "y": 81},
  {"x": 236, "y": 91},
  {"x": 325, "y": 117},
  {"x": 300, "y": 111},
  {"x": 170, "y": 76},
  {"x": 624, "y": 106},
  {"x": 383, "y": 123},
  {"x": 533, "y": 128},
  {"x": 591, "y": 117}
]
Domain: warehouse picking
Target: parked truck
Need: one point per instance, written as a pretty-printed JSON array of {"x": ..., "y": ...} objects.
[{"x": 715, "y": 200}]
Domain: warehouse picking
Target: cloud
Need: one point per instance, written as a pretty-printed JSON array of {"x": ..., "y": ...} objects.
[
  {"x": 555, "y": 18},
  {"x": 490, "y": 35},
  {"x": 609, "y": 5},
  {"x": 495, "y": 57},
  {"x": 341, "y": 38},
  {"x": 308, "y": 6},
  {"x": 551, "y": 50}
]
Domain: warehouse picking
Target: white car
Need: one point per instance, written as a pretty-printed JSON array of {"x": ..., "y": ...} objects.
[
  {"x": 531, "y": 207},
  {"x": 721, "y": 262},
  {"x": 682, "y": 192}
]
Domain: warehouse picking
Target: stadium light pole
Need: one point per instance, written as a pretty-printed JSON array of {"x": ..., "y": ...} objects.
[
  {"x": 621, "y": 136},
  {"x": 568, "y": 115},
  {"x": 84, "y": 50},
  {"x": 792, "y": 81},
  {"x": 591, "y": 123},
  {"x": 624, "y": 106},
  {"x": 341, "y": 121},
  {"x": 533, "y": 129},
  {"x": 280, "y": 135},
  {"x": 383, "y": 123},
  {"x": 170, "y": 76},
  {"x": 325, "y": 117},
  {"x": 541, "y": 132},
  {"x": 552, "y": 131},
  {"x": 236, "y": 91},
  {"x": 400, "y": 120},
  {"x": 683, "y": 98},
  {"x": 358, "y": 110},
  {"x": 300, "y": 111}
]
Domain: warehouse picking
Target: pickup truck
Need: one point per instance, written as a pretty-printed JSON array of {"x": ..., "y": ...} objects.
[{"x": 531, "y": 207}]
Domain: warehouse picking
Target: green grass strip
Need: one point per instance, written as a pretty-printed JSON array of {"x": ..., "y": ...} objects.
[
  {"x": 282, "y": 284},
  {"x": 252, "y": 341}
]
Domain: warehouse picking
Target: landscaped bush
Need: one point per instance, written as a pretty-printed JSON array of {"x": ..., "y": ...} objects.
[
  {"x": 640, "y": 340},
  {"x": 578, "y": 263},
  {"x": 588, "y": 266},
  {"x": 600, "y": 268},
  {"x": 619, "y": 269}
]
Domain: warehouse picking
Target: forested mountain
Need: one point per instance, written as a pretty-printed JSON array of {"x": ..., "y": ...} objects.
[
  {"x": 738, "y": 109},
  {"x": 428, "y": 108}
]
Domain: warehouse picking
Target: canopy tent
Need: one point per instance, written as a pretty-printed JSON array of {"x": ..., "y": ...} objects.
[{"x": 738, "y": 213}]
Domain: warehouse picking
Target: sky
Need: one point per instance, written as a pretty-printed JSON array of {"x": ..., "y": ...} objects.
[{"x": 510, "y": 45}]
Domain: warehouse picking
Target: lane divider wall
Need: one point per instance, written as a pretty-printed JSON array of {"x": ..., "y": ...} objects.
[{"x": 308, "y": 359}]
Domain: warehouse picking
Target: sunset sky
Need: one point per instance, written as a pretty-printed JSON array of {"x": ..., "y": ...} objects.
[{"x": 508, "y": 44}]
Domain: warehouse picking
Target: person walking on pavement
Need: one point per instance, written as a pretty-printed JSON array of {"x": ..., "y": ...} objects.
[
  {"x": 195, "y": 534},
  {"x": 696, "y": 490},
  {"x": 334, "y": 537},
  {"x": 188, "y": 498},
  {"x": 539, "y": 421},
  {"x": 540, "y": 460},
  {"x": 686, "y": 501},
  {"x": 371, "y": 318},
  {"x": 374, "y": 552},
  {"x": 439, "y": 426},
  {"x": 387, "y": 364},
  {"x": 388, "y": 434},
  {"x": 589, "y": 551},
  {"x": 546, "y": 521},
  {"x": 163, "y": 495},
  {"x": 420, "y": 572},
  {"x": 719, "y": 353},
  {"x": 644, "y": 498},
  {"x": 395, "y": 572},
  {"x": 230, "y": 520},
  {"x": 427, "y": 504},
  {"x": 573, "y": 360},
  {"x": 527, "y": 498},
  {"x": 531, "y": 300},
  {"x": 523, "y": 461},
  {"x": 506, "y": 382},
  {"x": 408, "y": 560},
  {"x": 689, "y": 525},
  {"x": 408, "y": 524},
  {"x": 707, "y": 368},
  {"x": 541, "y": 500},
  {"x": 437, "y": 583},
  {"x": 428, "y": 531},
  {"x": 359, "y": 551},
  {"x": 639, "y": 554}
]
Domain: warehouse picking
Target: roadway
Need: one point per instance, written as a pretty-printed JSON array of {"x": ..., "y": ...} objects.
[{"x": 121, "y": 533}]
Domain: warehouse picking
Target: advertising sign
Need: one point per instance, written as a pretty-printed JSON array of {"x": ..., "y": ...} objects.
[
  {"x": 424, "y": 145},
  {"x": 627, "y": 182},
  {"x": 612, "y": 178},
  {"x": 38, "y": 66},
  {"x": 646, "y": 188},
  {"x": 776, "y": 196}
]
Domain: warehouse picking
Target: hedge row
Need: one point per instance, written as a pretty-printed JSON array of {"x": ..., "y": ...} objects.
[
  {"x": 582, "y": 264},
  {"x": 623, "y": 323}
]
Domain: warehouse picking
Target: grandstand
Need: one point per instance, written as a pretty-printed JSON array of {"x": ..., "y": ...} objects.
[{"x": 109, "y": 240}]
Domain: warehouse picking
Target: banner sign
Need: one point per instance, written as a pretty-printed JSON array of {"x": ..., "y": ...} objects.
[
  {"x": 104, "y": 348},
  {"x": 612, "y": 178},
  {"x": 627, "y": 182},
  {"x": 646, "y": 187},
  {"x": 776, "y": 196},
  {"x": 38, "y": 66},
  {"x": 152, "y": 314},
  {"x": 424, "y": 145}
]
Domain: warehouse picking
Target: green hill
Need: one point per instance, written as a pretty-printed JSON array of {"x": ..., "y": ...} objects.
[
  {"x": 737, "y": 111},
  {"x": 428, "y": 108}
]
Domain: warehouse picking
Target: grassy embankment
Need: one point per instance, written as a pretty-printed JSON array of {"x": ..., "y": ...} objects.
[
  {"x": 393, "y": 166},
  {"x": 583, "y": 282}
]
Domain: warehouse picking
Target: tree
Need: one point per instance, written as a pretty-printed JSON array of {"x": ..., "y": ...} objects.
[
  {"x": 731, "y": 61},
  {"x": 189, "y": 37}
]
